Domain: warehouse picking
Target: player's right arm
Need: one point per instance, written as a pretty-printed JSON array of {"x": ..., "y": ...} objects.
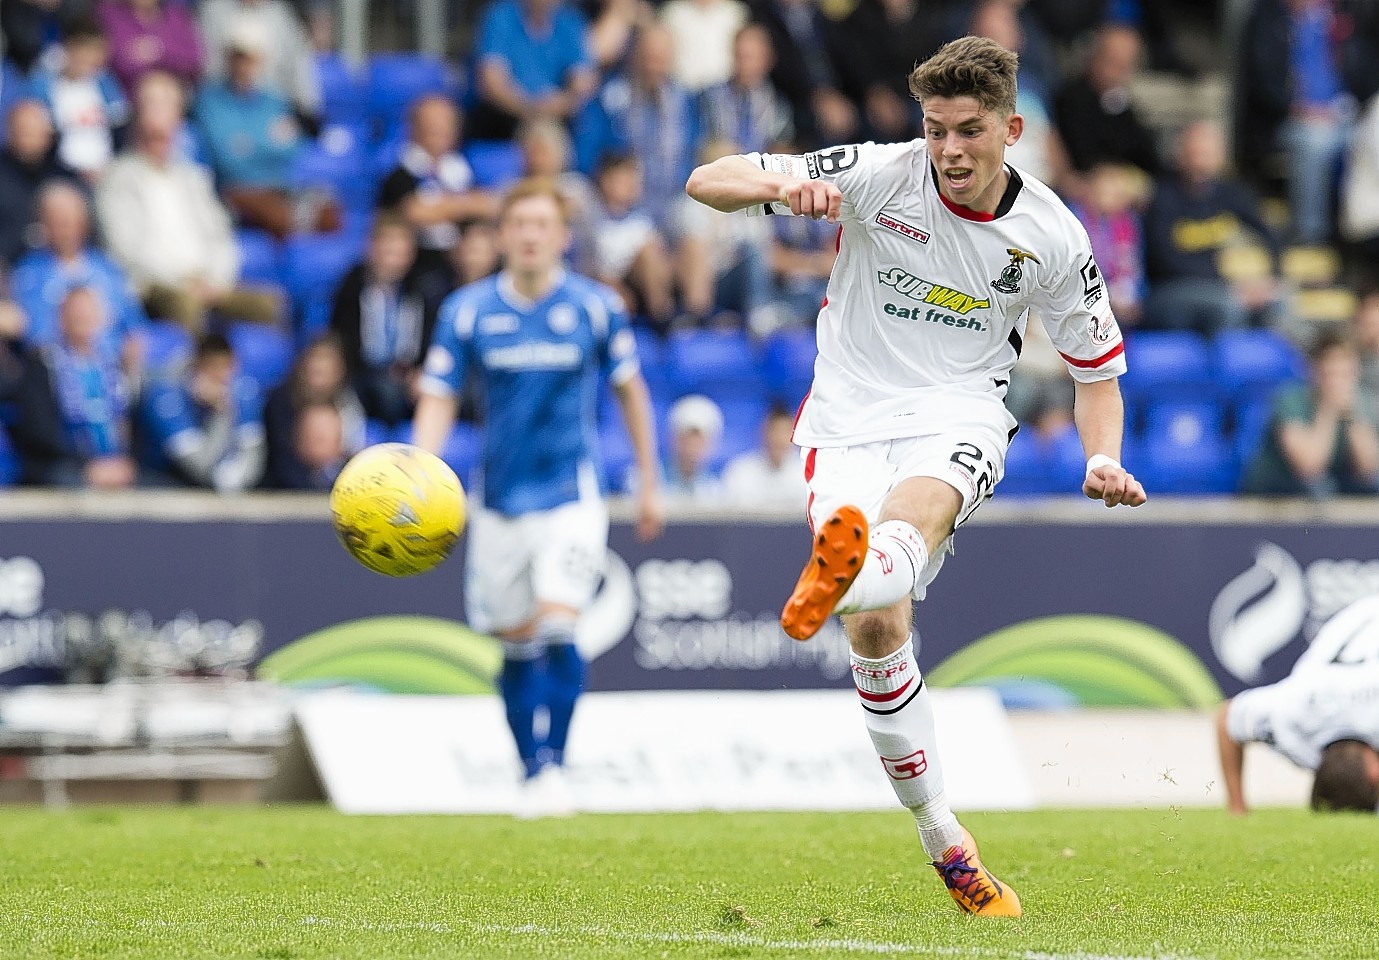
[
  {"x": 442, "y": 376},
  {"x": 734, "y": 183},
  {"x": 1232, "y": 754}
]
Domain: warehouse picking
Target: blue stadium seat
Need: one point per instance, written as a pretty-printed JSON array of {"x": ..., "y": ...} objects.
[
  {"x": 264, "y": 353},
  {"x": 497, "y": 164},
  {"x": 1172, "y": 467},
  {"x": 720, "y": 365},
  {"x": 260, "y": 261},
  {"x": 338, "y": 161},
  {"x": 314, "y": 264},
  {"x": 166, "y": 345},
  {"x": 10, "y": 466},
  {"x": 1029, "y": 469},
  {"x": 742, "y": 421},
  {"x": 1250, "y": 364},
  {"x": 344, "y": 90},
  {"x": 397, "y": 79},
  {"x": 787, "y": 362},
  {"x": 1167, "y": 363},
  {"x": 1185, "y": 420},
  {"x": 1251, "y": 424}
]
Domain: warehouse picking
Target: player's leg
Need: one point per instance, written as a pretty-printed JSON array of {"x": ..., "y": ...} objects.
[
  {"x": 566, "y": 567},
  {"x": 500, "y": 601},
  {"x": 855, "y": 565}
]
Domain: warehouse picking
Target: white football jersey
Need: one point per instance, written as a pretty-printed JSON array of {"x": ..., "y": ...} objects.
[
  {"x": 928, "y": 301},
  {"x": 1332, "y": 693}
]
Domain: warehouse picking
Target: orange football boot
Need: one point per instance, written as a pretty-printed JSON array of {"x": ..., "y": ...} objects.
[
  {"x": 839, "y": 550},
  {"x": 972, "y": 885}
]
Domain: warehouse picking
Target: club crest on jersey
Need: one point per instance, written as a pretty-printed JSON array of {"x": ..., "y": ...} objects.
[
  {"x": 917, "y": 288},
  {"x": 1012, "y": 274},
  {"x": 562, "y": 319}
]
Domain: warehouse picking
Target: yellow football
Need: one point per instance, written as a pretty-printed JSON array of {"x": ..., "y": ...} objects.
[{"x": 398, "y": 509}]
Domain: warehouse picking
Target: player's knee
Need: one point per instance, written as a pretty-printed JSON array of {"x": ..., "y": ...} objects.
[
  {"x": 929, "y": 505},
  {"x": 879, "y": 633}
]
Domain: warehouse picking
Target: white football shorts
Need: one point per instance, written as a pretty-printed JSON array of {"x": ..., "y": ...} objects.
[
  {"x": 547, "y": 556},
  {"x": 970, "y": 459}
]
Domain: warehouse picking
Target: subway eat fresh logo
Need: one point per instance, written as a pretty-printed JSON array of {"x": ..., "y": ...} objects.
[{"x": 917, "y": 288}]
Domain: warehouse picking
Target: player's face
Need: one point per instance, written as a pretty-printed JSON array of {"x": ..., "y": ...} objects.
[
  {"x": 968, "y": 147},
  {"x": 533, "y": 235}
]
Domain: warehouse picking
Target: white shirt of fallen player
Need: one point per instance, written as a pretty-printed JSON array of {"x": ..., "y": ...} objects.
[
  {"x": 928, "y": 302},
  {"x": 1331, "y": 694}
]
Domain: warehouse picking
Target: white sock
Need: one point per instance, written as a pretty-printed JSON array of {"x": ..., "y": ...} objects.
[
  {"x": 900, "y": 720},
  {"x": 896, "y": 556}
]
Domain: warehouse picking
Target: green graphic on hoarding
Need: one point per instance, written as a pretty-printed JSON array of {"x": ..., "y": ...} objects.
[
  {"x": 393, "y": 654},
  {"x": 1091, "y": 661}
]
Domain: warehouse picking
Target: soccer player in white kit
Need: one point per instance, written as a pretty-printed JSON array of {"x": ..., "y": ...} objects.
[
  {"x": 945, "y": 252},
  {"x": 1324, "y": 716}
]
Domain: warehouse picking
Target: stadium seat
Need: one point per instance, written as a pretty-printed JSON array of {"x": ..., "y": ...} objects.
[
  {"x": 259, "y": 258},
  {"x": 1251, "y": 423},
  {"x": 787, "y": 362},
  {"x": 344, "y": 90},
  {"x": 166, "y": 345},
  {"x": 314, "y": 264},
  {"x": 1164, "y": 364},
  {"x": 397, "y": 79},
  {"x": 376, "y": 431},
  {"x": 1186, "y": 421},
  {"x": 264, "y": 353},
  {"x": 1172, "y": 467},
  {"x": 1029, "y": 469},
  {"x": 741, "y": 428},
  {"x": 720, "y": 365},
  {"x": 1250, "y": 364},
  {"x": 338, "y": 161},
  {"x": 497, "y": 164},
  {"x": 10, "y": 466}
]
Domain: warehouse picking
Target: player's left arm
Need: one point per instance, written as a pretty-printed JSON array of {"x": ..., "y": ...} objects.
[
  {"x": 1077, "y": 315},
  {"x": 635, "y": 401},
  {"x": 1232, "y": 753},
  {"x": 1099, "y": 413},
  {"x": 442, "y": 375}
]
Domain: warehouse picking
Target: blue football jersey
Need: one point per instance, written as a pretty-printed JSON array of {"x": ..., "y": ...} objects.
[{"x": 540, "y": 364}]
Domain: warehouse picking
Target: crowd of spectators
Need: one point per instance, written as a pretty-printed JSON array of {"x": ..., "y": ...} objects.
[{"x": 150, "y": 143}]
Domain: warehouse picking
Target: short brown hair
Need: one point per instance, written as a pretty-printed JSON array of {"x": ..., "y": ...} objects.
[
  {"x": 535, "y": 187},
  {"x": 969, "y": 67},
  {"x": 1342, "y": 782},
  {"x": 386, "y": 220}
]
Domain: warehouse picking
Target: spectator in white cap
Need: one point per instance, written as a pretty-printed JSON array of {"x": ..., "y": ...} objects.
[
  {"x": 696, "y": 426},
  {"x": 289, "y": 67}
]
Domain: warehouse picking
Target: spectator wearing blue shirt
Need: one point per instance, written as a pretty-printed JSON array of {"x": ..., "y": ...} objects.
[
  {"x": 203, "y": 427},
  {"x": 88, "y": 107},
  {"x": 540, "y": 340},
  {"x": 252, "y": 139},
  {"x": 73, "y": 428},
  {"x": 747, "y": 109},
  {"x": 646, "y": 112},
  {"x": 533, "y": 61},
  {"x": 42, "y": 279}
]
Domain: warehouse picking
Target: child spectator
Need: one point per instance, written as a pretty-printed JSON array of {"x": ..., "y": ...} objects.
[
  {"x": 546, "y": 150},
  {"x": 476, "y": 254},
  {"x": 88, "y": 107},
  {"x": 318, "y": 447},
  {"x": 696, "y": 425},
  {"x": 203, "y": 428},
  {"x": 318, "y": 378},
  {"x": 151, "y": 35},
  {"x": 629, "y": 252}
]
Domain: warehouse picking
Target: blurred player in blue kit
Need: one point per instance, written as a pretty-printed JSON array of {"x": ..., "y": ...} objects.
[{"x": 539, "y": 340}]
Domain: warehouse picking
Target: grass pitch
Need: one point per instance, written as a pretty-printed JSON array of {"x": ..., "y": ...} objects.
[{"x": 288, "y": 883}]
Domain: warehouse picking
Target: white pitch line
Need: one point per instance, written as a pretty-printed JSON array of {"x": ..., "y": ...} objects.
[{"x": 848, "y": 945}]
